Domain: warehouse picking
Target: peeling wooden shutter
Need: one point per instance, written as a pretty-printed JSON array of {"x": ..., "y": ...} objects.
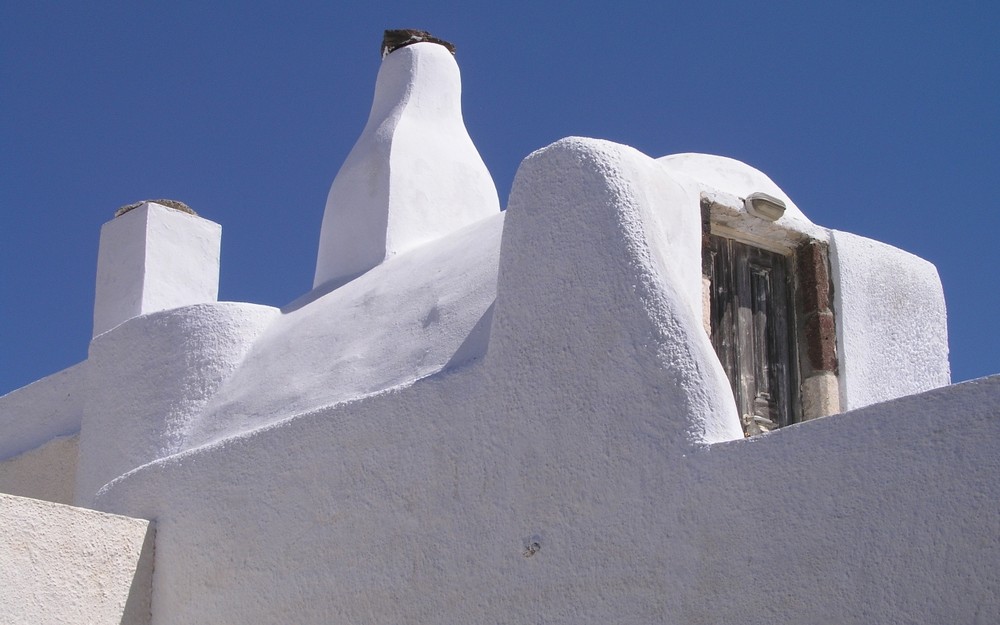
[{"x": 751, "y": 330}]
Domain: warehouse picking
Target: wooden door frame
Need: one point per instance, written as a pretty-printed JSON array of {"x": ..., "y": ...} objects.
[{"x": 815, "y": 345}]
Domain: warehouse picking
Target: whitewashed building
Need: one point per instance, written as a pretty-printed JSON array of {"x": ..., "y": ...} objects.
[{"x": 649, "y": 391}]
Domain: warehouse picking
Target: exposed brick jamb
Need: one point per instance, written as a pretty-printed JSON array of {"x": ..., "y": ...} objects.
[{"x": 816, "y": 313}]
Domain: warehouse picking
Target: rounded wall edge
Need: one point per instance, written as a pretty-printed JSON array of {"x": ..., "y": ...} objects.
[
  {"x": 150, "y": 377},
  {"x": 599, "y": 289},
  {"x": 892, "y": 321}
]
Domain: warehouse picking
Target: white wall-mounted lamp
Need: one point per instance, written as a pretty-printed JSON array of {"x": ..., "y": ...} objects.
[{"x": 764, "y": 206}]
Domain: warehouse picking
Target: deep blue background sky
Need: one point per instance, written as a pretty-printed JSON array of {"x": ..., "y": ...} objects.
[{"x": 876, "y": 118}]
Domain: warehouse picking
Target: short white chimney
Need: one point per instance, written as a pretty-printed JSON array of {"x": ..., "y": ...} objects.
[
  {"x": 414, "y": 174},
  {"x": 154, "y": 255}
]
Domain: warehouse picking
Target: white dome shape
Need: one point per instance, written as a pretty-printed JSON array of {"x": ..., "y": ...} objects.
[{"x": 736, "y": 177}]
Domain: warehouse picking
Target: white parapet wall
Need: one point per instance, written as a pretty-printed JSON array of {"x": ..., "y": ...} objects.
[
  {"x": 719, "y": 176},
  {"x": 43, "y": 410},
  {"x": 60, "y": 564},
  {"x": 151, "y": 377},
  {"x": 892, "y": 325},
  {"x": 39, "y": 427},
  {"x": 568, "y": 474},
  {"x": 153, "y": 258},
  {"x": 538, "y": 479},
  {"x": 47, "y": 472},
  {"x": 600, "y": 278}
]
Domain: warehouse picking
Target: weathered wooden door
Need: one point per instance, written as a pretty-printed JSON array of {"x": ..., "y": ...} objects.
[{"x": 752, "y": 330}]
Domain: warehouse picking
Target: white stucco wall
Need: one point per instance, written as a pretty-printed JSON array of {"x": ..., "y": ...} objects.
[
  {"x": 413, "y": 174},
  {"x": 336, "y": 347},
  {"x": 475, "y": 429},
  {"x": 577, "y": 471},
  {"x": 150, "y": 377},
  {"x": 721, "y": 175},
  {"x": 887, "y": 514},
  {"x": 600, "y": 279},
  {"x": 433, "y": 508},
  {"x": 47, "y": 472},
  {"x": 60, "y": 564},
  {"x": 597, "y": 381},
  {"x": 154, "y": 258},
  {"x": 892, "y": 325},
  {"x": 43, "y": 410}
]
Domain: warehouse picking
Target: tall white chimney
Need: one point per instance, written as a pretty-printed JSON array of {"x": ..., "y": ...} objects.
[
  {"x": 413, "y": 174},
  {"x": 155, "y": 255}
]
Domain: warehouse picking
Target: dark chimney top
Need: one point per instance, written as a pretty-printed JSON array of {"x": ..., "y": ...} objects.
[
  {"x": 396, "y": 39},
  {"x": 174, "y": 204}
]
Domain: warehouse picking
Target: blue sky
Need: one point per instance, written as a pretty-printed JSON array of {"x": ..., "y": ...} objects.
[{"x": 880, "y": 119}]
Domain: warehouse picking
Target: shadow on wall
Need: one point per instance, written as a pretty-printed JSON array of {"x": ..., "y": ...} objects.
[
  {"x": 138, "y": 605},
  {"x": 476, "y": 344}
]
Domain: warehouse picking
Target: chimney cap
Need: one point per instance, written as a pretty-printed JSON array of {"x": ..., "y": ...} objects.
[
  {"x": 174, "y": 204},
  {"x": 395, "y": 39}
]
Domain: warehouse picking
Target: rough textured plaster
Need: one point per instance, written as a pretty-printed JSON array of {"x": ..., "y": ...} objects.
[
  {"x": 892, "y": 326},
  {"x": 433, "y": 507},
  {"x": 47, "y": 472},
  {"x": 887, "y": 514},
  {"x": 46, "y": 409},
  {"x": 60, "y": 564},
  {"x": 600, "y": 280},
  {"x": 338, "y": 346},
  {"x": 367, "y": 456},
  {"x": 412, "y": 176},
  {"x": 727, "y": 179},
  {"x": 150, "y": 377},
  {"x": 561, "y": 476},
  {"x": 533, "y": 484}
]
